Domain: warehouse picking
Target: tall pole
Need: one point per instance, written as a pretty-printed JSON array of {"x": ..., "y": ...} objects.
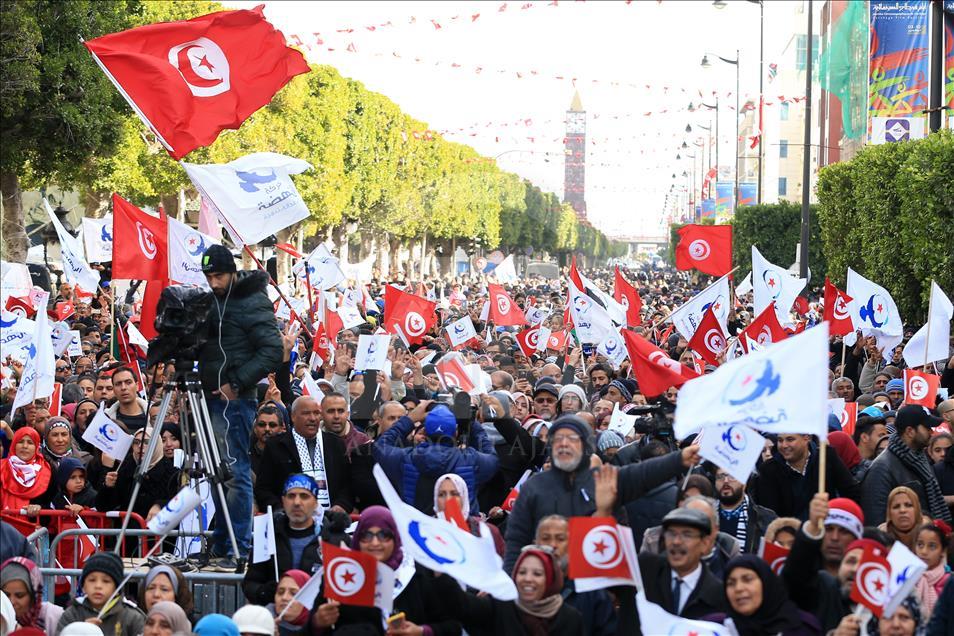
[
  {"x": 806, "y": 153},
  {"x": 936, "y": 82},
  {"x": 735, "y": 202},
  {"x": 717, "y": 138},
  {"x": 761, "y": 93}
]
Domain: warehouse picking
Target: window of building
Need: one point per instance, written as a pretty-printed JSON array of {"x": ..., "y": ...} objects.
[
  {"x": 783, "y": 149},
  {"x": 782, "y": 186},
  {"x": 801, "y": 44},
  {"x": 784, "y": 112}
]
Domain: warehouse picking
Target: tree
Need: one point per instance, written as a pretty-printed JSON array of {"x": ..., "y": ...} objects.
[
  {"x": 58, "y": 108},
  {"x": 775, "y": 229}
]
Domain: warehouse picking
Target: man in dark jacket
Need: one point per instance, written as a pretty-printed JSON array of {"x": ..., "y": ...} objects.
[
  {"x": 297, "y": 541},
  {"x": 739, "y": 516},
  {"x": 414, "y": 469},
  {"x": 305, "y": 449},
  {"x": 648, "y": 511},
  {"x": 788, "y": 480},
  {"x": 569, "y": 488},
  {"x": 244, "y": 345},
  {"x": 680, "y": 582}
]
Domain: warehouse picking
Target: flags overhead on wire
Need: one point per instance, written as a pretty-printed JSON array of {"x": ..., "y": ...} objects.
[{"x": 253, "y": 196}]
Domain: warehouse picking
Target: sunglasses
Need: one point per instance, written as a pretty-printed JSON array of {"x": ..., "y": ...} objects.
[{"x": 381, "y": 535}]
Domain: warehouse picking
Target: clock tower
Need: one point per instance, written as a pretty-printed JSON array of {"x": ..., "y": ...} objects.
[{"x": 574, "y": 152}]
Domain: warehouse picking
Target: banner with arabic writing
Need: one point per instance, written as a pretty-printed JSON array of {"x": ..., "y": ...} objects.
[
  {"x": 949, "y": 61},
  {"x": 725, "y": 203}
]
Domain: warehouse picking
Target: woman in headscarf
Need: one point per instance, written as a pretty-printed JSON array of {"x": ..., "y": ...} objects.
[
  {"x": 452, "y": 486},
  {"x": 759, "y": 604},
  {"x": 848, "y": 453},
  {"x": 907, "y": 620},
  {"x": 538, "y": 611},
  {"x": 903, "y": 516},
  {"x": 171, "y": 439},
  {"x": 295, "y": 617},
  {"x": 166, "y": 619},
  {"x": 415, "y": 587},
  {"x": 58, "y": 443},
  {"x": 165, "y": 583},
  {"x": 24, "y": 475},
  {"x": 159, "y": 484},
  {"x": 20, "y": 580},
  {"x": 82, "y": 415}
]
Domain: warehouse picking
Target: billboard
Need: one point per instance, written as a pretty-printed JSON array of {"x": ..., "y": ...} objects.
[
  {"x": 748, "y": 193},
  {"x": 724, "y": 199},
  {"x": 708, "y": 208}
]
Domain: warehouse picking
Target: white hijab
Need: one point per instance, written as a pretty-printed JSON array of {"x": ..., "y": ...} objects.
[{"x": 461, "y": 488}]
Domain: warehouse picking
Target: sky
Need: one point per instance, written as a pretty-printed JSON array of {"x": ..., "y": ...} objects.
[{"x": 644, "y": 57}]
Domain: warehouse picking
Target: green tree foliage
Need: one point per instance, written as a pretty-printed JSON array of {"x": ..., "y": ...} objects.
[
  {"x": 775, "y": 228},
  {"x": 889, "y": 214}
]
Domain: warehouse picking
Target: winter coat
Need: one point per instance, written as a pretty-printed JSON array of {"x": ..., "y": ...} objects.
[
  {"x": 779, "y": 489},
  {"x": 574, "y": 495},
  {"x": 414, "y": 470},
  {"x": 281, "y": 461},
  {"x": 248, "y": 335},
  {"x": 260, "y": 584},
  {"x": 706, "y": 598},
  {"x": 887, "y": 473},
  {"x": 121, "y": 619},
  {"x": 812, "y": 588},
  {"x": 160, "y": 484},
  {"x": 649, "y": 510}
]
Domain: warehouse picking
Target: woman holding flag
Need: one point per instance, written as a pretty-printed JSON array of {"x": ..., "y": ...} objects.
[{"x": 24, "y": 475}]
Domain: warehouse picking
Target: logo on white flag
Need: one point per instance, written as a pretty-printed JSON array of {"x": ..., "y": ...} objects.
[
  {"x": 752, "y": 382},
  {"x": 699, "y": 249},
  {"x": 202, "y": 65},
  {"x": 601, "y": 547},
  {"x": 195, "y": 244},
  {"x": 345, "y": 576},
  {"x": 436, "y": 542},
  {"x": 735, "y": 439},
  {"x": 147, "y": 241},
  {"x": 773, "y": 281},
  {"x": 875, "y": 311}
]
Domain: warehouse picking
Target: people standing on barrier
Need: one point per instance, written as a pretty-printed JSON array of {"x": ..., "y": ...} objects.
[
  {"x": 102, "y": 574},
  {"x": 20, "y": 580},
  {"x": 25, "y": 474},
  {"x": 166, "y": 619},
  {"x": 166, "y": 583},
  {"x": 244, "y": 345}
]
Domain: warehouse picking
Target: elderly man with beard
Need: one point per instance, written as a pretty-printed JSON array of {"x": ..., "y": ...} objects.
[
  {"x": 739, "y": 516},
  {"x": 569, "y": 487}
]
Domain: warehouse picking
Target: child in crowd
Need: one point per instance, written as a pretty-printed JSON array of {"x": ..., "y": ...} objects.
[
  {"x": 74, "y": 492},
  {"x": 102, "y": 574}
]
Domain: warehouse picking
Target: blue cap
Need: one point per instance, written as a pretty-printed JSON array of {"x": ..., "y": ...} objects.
[
  {"x": 896, "y": 384},
  {"x": 305, "y": 482},
  {"x": 440, "y": 421},
  {"x": 873, "y": 411}
]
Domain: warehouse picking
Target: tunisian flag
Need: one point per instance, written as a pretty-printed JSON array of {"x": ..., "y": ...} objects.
[
  {"x": 350, "y": 575},
  {"x": 140, "y": 243},
  {"x": 503, "y": 311},
  {"x": 709, "y": 340},
  {"x": 191, "y": 79},
  {"x": 654, "y": 370},
  {"x": 920, "y": 388},
  {"x": 707, "y": 248},
  {"x": 836, "y": 310},
  {"x": 764, "y": 330},
  {"x": 408, "y": 315},
  {"x": 628, "y": 296}
]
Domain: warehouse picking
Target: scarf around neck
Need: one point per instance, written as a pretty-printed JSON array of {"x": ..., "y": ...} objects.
[
  {"x": 918, "y": 464},
  {"x": 313, "y": 465}
]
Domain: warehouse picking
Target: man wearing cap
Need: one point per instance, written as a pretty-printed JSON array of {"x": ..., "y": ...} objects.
[
  {"x": 297, "y": 540},
  {"x": 679, "y": 581},
  {"x": 569, "y": 487},
  {"x": 545, "y": 396},
  {"x": 244, "y": 345},
  {"x": 895, "y": 390},
  {"x": 414, "y": 469},
  {"x": 905, "y": 464}
]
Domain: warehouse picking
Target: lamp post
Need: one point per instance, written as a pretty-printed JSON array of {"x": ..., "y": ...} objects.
[
  {"x": 735, "y": 145},
  {"x": 807, "y": 154},
  {"x": 716, "y": 108}
]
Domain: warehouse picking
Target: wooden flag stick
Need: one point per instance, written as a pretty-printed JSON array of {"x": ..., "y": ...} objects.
[
  {"x": 822, "y": 464},
  {"x": 662, "y": 320}
]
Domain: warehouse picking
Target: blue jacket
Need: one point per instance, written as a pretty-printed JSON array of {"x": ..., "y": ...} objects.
[{"x": 406, "y": 465}]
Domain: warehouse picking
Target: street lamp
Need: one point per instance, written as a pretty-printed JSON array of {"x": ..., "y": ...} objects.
[{"x": 735, "y": 145}]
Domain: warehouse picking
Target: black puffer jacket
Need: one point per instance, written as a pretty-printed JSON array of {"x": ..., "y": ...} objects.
[{"x": 249, "y": 337}]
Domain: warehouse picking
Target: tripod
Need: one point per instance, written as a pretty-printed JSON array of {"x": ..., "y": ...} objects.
[{"x": 204, "y": 461}]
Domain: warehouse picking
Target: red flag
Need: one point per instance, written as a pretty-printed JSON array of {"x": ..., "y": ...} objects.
[
  {"x": 408, "y": 315},
  {"x": 628, "y": 296},
  {"x": 511, "y": 498},
  {"x": 870, "y": 587},
  {"x": 64, "y": 310},
  {"x": 56, "y": 399},
  {"x": 189, "y": 80},
  {"x": 150, "y": 298},
  {"x": 333, "y": 325},
  {"x": 454, "y": 374},
  {"x": 709, "y": 340},
  {"x": 288, "y": 248},
  {"x": 596, "y": 550},
  {"x": 503, "y": 311},
  {"x": 774, "y": 555},
  {"x": 350, "y": 575},
  {"x": 920, "y": 388},
  {"x": 321, "y": 345},
  {"x": 21, "y": 306},
  {"x": 557, "y": 340},
  {"x": 81, "y": 295},
  {"x": 765, "y": 329},
  {"x": 849, "y": 417},
  {"x": 707, "y": 248},
  {"x": 454, "y": 514},
  {"x": 836, "y": 310},
  {"x": 140, "y": 243},
  {"x": 528, "y": 340},
  {"x": 655, "y": 371}
]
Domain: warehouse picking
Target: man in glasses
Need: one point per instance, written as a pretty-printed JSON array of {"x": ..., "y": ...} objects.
[
  {"x": 62, "y": 372},
  {"x": 297, "y": 536},
  {"x": 269, "y": 422}
]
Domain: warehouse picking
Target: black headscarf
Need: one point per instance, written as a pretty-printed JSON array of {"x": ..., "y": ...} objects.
[{"x": 777, "y": 614}]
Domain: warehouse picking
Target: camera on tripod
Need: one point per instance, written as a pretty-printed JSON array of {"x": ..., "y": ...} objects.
[
  {"x": 181, "y": 318},
  {"x": 460, "y": 404},
  {"x": 652, "y": 421}
]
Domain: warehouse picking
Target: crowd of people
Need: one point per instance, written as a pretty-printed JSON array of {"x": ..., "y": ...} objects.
[{"x": 309, "y": 459}]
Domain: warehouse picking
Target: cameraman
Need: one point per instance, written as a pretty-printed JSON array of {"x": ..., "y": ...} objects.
[{"x": 244, "y": 345}]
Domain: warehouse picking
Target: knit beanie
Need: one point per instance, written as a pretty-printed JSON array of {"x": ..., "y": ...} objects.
[
  {"x": 609, "y": 439},
  {"x": 572, "y": 389},
  {"x": 108, "y": 563},
  {"x": 896, "y": 384}
]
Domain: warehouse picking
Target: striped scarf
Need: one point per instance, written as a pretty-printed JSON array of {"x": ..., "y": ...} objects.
[
  {"x": 918, "y": 464},
  {"x": 742, "y": 515}
]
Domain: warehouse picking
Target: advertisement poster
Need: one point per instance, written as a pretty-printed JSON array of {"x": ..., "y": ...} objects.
[
  {"x": 898, "y": 69},
  {"x": 724, "y": 199},
  {"x": 748, "y": 193},
  {"x": 708, "y": 208},
  {"x": 949, "y": 61}
]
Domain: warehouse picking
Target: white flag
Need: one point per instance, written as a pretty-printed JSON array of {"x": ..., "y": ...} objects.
[
  {"x": 686, "y": 318},
  {"x": 906, "y": 569},
  {"x": 308, "y": 592},
  {"x": 873, "y": 311},
  {"x": 186, "y": 247},
  {"x": 39, "y": 372},
  {"x": 323, "y": 271},
  {"x": 60, "y": 331},
  {"x": 135, "y": 336},
  {"x": 310, "y": 388},
  {"x": 620, "y": 422},
  {"x": 460, "y": 331},
  {"x": 616, "y": 311},
  {"x": 443, "y": 547},
  {"x": 372, "y": 353},
  {"x": 76, "y": 270},
  {"x": 665, "y": 623},
  {"x": 734, "y": 448},
  {"x": 745, "y": 286},
  {"x": 107, "y": 435},
  {"x": 505, "y": 272},
  {"x": 543, "y": 337},
  {"x": 16, "y": 334},
  {"x": 941, "y": 312},
  {"x": 780, "y": 389},
  {"x": 591, "y": 321},
  {"x": 612, "y": 348},
  {"x": 772, "y": 283},
  {"x": 350, "y": 316},
  {"x": 254, "y": 196},
  {"x": 536, "y": 315},
  {"x": 263, "y": 537},
  {"x": 98, "y": 239},
  {"x": 177, "y": 509}
]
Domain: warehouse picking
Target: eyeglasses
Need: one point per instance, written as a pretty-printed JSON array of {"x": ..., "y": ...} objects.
[
  {"x": 567, "y": 437},
  {"x": 682, "y": 536},
  {"x": 723, "y": 477},
  {"x": 381, "y": 535},
  {"x": 261, "y": 424}
]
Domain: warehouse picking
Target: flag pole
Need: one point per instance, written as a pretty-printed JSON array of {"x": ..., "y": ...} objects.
[
  {"x": 311, "y": 303},
  {"x": 716, "y": 282},
  {"x": 927, "y": 338},
  {"x": 278, "y": 289},
  {"x": 822, "y": 464},
  {"x": 843, "y": 347}
]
